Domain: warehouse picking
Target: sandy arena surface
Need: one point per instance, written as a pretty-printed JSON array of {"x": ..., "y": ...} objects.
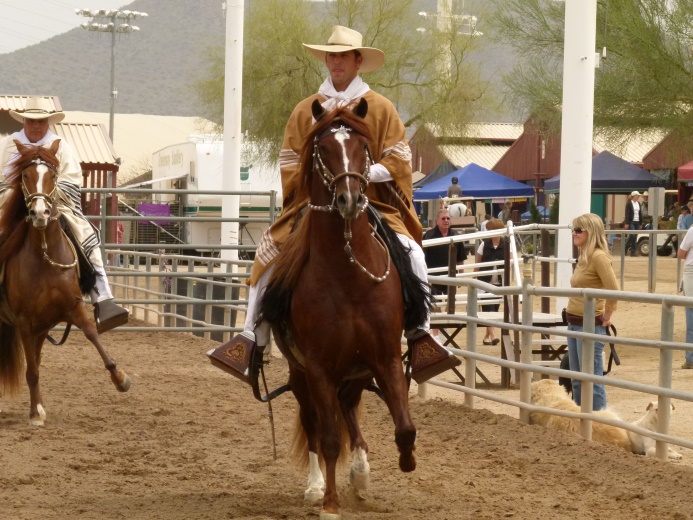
[{"x": 189, "y": 442}]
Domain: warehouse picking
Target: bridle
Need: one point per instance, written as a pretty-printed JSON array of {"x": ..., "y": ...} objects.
[
  {"x": 330, "y": 180},
  {"x": 49, "y": 200}
]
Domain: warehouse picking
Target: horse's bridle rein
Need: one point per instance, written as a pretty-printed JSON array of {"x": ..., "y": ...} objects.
[
  {"x": 330, "y": 181},
  {"x": 49, "y": 200}
]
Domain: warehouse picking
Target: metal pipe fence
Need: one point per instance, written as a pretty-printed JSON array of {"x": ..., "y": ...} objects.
[{"x": 527, "y": 366}]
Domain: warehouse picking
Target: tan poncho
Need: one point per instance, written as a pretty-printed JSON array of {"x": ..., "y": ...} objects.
[{"x": 388, "y": 147}]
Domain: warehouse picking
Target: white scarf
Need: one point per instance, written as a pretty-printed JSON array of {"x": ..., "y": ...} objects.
[
  {"x": 333, "y": 99},
  {"x": 22, "y": 138}
]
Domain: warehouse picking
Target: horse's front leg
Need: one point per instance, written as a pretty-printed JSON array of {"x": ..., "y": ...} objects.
[
  {"x": 391, "y": 380},
  {"x": 324, "y": 396},
  {"x": 315, "y": 490},
  {"x": 80, "y": 318},
  {"x": 32, "y": 353},
  {"x": 349, "y": 400}
]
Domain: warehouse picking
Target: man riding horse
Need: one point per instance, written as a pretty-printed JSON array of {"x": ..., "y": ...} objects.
[
  {"x": 36, "y": 117},
  {"x": 389, "y": 191}
]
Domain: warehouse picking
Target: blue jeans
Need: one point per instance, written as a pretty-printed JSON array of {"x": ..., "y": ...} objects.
[
  {"x": 689, "y": 334},
  {"x": 632, "y": 239},
  {"x": 688, "y": 291},
  {"x": 575, "y": 356}
]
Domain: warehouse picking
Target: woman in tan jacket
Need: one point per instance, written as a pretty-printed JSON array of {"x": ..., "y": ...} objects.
[{"x": 593, "y": 271}]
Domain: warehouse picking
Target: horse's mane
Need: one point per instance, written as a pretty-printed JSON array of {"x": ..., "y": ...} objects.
[
  {"x": 295, "y": 251},
  {"x": 13, "y": 224}
]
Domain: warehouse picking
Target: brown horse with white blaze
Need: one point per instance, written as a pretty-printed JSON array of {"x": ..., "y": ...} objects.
[
  {"x": 41, "y": 281},
  {"x": 336, "y": 295}
]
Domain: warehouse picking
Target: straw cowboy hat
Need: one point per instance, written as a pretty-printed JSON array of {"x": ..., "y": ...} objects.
[
  {"x": 38, "y": 108},
  {"x": 344, "y": 39}
]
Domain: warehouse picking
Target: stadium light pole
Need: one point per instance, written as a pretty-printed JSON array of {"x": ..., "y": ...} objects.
[{"x": 115, "y": 16}]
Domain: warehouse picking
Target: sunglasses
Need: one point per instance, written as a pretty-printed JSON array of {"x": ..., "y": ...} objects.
[
  {"x": 444, "y": 218},
  {"x": 578, "y": 230}
]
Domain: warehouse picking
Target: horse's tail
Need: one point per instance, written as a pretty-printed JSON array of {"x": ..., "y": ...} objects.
[
  {"x": 298, "y": 453},
  {"x": 11, "y": 359}
]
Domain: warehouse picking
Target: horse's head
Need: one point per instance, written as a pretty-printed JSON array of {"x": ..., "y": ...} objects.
[
  {"x": 38, "y": 168},
  {"x": 342, "y": 157}
]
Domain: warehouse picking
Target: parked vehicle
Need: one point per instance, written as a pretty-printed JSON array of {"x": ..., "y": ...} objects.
[{"x": 198, "y": 165}]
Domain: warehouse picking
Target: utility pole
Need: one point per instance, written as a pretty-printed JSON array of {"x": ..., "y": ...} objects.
[
  {"x": 233, "y": 96},
  {"x": 114, "y": 16},
  {"x": 576, "y": 133}
]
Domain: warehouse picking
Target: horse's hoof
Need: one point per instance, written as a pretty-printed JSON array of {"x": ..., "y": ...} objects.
[
  {"x": 36, "y": 422},
  {"x": 407, "y": 463},
  {"x": 124, "y": 385},
  {"x": 330, "y": 516},
  {"x": 359, "y": 480},
  {"x": 314, "y": 495}
]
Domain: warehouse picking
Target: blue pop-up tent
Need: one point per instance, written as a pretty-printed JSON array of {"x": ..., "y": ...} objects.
[
  {"x": 544, "y": 212},
  {"x": 611, "y": 174},
  {"x": 438, "y": 172},
  {"x": 476, "y": 181}
]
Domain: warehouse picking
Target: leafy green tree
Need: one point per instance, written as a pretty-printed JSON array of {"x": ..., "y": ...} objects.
[
  {"x": 278, "y": 72},
  {"x": 644, "y": 82}
]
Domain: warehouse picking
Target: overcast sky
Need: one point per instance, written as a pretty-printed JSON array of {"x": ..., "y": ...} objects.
[{"x": 28, "y": 22}]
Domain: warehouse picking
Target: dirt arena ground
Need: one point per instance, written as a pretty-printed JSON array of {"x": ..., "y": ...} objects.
[{"x": 189, "y": 442}]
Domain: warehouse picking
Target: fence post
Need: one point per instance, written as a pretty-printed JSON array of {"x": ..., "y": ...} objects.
[
  {"x": 587, "y": 365},
  {"x": 526, "y": 352},
  {"x": 470, "y": 363},
  {"x": 666, "y": 360}
]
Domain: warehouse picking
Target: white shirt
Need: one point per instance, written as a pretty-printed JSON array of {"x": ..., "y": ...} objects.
[
  {"x": 687, "y": 245},
  {"x": 636, "y": 211}
]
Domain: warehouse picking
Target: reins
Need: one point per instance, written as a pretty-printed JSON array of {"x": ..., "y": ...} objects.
[{"x": 330, "y": 180}]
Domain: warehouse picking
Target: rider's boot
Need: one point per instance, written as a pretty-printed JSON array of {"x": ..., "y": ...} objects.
[
  {"x": 428, "y": 357},
  {"x": 107, "y": 314}
]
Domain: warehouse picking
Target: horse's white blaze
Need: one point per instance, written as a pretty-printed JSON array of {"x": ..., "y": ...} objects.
[
  {"x": 360, "y": 469},
  {"x": 40, "y": 204},
  {"x": 341, "y": 137},
  {"x": 316, "y": 482}
]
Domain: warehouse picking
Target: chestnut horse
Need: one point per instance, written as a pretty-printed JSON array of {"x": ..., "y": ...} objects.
[
  {"x": 336, "y": 296},
  {"x": 41, "y": 279}
]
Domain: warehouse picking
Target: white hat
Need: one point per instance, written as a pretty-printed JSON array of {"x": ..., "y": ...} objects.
[
  {"x": 344, "y": 39},
  {"x": 38, "y": 108},
  {"x": 634, "y": 193}
]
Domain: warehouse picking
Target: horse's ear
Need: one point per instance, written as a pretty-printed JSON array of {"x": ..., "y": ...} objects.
[
  {"x": 55, "y": 145},
  {"x": 362, "y": 108},
  {"x": 21, "y": 148},
  {"x": 317, "y": 109}
]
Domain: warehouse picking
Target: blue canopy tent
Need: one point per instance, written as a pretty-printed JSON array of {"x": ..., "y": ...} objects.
[
  {"x": 544, "y": 212},
  {"x": 438, "y": 172},
  {"x": 476, "y": 181},
  {"x": 611, "y": 174}
]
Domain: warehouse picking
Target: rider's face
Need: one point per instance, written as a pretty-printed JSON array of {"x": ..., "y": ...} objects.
[
  {"x": 343, "y": 67},
  {"x": 35, "y": 129}
]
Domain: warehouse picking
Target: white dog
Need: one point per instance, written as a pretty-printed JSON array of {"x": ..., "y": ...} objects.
[
  {"x": 548, "y": 393},
  {"x": 645, "y": 445}
]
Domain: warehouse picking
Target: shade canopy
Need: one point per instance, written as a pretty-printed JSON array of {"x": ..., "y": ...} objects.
[
  {"x": 544, "y": 212},
  {"x": 611, "y": 174},
  {"x": 685, "y": 172},
  {"x": 475, "y": 181},
  {"x": 444, "y": 167}
]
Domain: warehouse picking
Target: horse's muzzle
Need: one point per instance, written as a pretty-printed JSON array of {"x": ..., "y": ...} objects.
[{"x": 350, "y": 204}]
